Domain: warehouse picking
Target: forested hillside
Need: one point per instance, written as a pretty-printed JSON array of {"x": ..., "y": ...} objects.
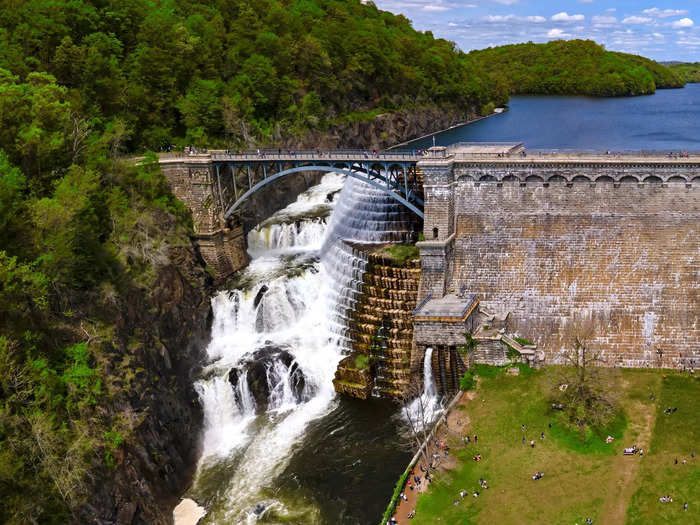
[
  {"x": 219, "y": 71},
  {"x": 572, "y": 67},
  {"x": 688, "y": 71}
]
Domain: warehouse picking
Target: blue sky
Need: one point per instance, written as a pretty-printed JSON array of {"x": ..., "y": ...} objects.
[{"x": 656, "y": 29}]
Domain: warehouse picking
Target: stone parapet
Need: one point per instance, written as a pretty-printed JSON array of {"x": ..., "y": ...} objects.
[
  {"x": 192, "y": 181},
  {"x": 224, "y": 250}
]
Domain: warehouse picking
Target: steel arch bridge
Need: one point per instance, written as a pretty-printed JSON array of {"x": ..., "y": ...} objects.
[{"x": 241, "y": 175}]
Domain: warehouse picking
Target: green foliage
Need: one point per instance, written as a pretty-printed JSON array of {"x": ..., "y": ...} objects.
[
  {"x": 113, "y": 441},
  {"x": 487, "y": 371},
  {"x": 469, "y": 346},
  {"x": 401, "y": 254},
  {"x": 572, "y": 67},
  {"x": 522, "y": 341},
  {"x": 467, "y": 381},
  {"x": 35, "y": 119},
  {"x": 82, "y": 381},
  {"x": 398, "y": 489},
  {"x": 581, "y": 476},
  {"x": 689, "y": 72},
  {"x": 362, "y": 362},
  {"x": 217, "y": 73},
  {"x": 674, "y": 436},
  {"x": 593, "y": 440},
  {"x": 673, "y": 432},
  {"x": 512, "y": 353}
]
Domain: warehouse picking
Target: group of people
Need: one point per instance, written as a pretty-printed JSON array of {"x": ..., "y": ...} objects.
[
  {"x": 532, "y": 441},
  {"x": 538, "y": 475},
  {"x": 680, "y": 154},
  {"x": 191, "y": 150}
]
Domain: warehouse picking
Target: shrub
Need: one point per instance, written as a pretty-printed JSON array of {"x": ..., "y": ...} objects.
[
  {"x": 362, "y": 362},
  {"x": 394, "y": 498},
  {"x": 467, "y": 381}
]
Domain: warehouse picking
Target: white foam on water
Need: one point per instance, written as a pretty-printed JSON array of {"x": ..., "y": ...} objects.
[{"x": 296, "y": 326}]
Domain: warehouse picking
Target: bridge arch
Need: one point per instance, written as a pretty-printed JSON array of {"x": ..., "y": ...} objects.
[{"x": 359, "y": 175}]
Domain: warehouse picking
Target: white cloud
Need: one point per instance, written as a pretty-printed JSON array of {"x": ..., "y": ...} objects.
[
  {"x": 658, "y": 35},
  {"x": 689, "y": 41},
  {"x": 602, "y": 20},
  {"x": 505, "y": 2},
  {"x": 586, "y": 1},
  {"x": 557, "y": 33},
  {"x": 636, "y": 20},
  {"x": 495, "y": 19},
  {"x": 683, "y": 22},
  {"x": 566, "y": 17},
  {"x": 435, "y": 8},
  {"x": 665, "y": 13},
  {"x": 611, "y": 9}
]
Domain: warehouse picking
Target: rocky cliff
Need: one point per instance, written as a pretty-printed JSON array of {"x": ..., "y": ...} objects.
[
  {"x": 160, "y": 335},
  {"x": 387, "y": 129}
]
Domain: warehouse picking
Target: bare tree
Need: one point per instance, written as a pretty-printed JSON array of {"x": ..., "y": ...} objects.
[
  {"x": 81, "y": 130},
  {"x": 413, "y": 408},
  {"x": 579, "y": 389}
]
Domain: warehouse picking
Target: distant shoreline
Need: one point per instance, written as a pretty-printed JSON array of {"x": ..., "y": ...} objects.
[{"x": 447, "y": 129}]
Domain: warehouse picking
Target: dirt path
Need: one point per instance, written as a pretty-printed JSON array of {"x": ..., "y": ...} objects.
[
  {"x": 457, "y": 423},
  {"x": 622, "y": 484}
]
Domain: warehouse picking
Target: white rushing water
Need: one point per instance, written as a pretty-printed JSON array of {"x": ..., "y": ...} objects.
[
  {"x": 425, "y": 409},
  {"x": 276, "y": 342}
]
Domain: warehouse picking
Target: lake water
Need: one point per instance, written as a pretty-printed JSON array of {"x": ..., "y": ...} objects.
[{"x": 668, "y": 120}]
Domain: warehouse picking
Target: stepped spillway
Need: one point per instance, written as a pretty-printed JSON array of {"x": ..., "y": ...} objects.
[{"x": 277, "y": 337}]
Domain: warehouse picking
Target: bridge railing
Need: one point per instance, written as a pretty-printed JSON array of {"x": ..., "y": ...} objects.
[{"x": 288, "y": 154}]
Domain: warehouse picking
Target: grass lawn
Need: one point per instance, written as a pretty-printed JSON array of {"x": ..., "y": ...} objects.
[{"x": 591, "y": 479}]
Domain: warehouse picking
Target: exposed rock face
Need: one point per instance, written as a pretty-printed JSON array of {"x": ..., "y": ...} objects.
[
  {"x": 388, "y": 129},
  {"x": 265, "y": 370},
  {"x": 155, "y": 354}
]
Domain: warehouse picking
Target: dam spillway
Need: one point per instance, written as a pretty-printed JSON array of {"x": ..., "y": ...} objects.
[{"x": 278, "y": 334}]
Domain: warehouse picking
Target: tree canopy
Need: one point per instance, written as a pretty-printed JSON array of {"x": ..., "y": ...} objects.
[
  {"x": 572, "y": 67},
  {"x": 216, "y": 71}
]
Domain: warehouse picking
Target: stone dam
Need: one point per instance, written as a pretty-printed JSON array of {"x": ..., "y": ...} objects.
[
  {"x": 516, "y": 248},
  {"x": 547, "y": 240}
]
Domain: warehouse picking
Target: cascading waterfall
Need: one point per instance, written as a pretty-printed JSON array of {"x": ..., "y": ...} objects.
[
  {"x": 276, "y": 341},
  {"x": 425, "y": 409}
]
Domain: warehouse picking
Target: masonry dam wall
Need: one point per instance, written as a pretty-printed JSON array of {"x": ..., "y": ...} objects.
[{"x": 554, "y": 240}]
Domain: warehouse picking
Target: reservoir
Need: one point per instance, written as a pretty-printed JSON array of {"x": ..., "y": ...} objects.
[{"x": 666, "y": 121}]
